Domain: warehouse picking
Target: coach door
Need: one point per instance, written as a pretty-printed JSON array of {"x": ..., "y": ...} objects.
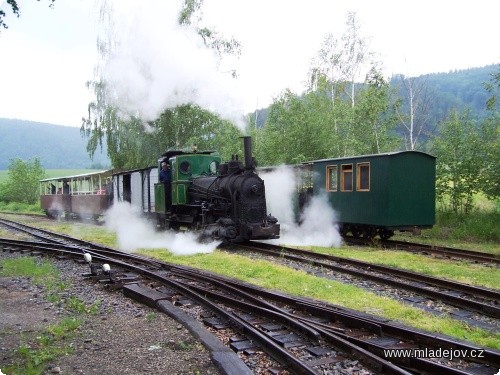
[{"x": 127, "y": 195}]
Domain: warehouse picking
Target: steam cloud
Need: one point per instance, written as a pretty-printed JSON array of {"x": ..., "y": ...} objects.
[
  {"x": 156, "y": 64},
  {"x": 134, "y": 232},
  {"x": 318, "y": 219}
]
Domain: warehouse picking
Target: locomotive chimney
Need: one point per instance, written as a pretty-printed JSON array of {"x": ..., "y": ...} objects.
[{"x": 247, "y": 147}]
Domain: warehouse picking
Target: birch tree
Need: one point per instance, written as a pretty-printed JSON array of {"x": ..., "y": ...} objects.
[
  {"x": 375, "y": 116},
  {"x": 413, "y": 115},
  {"x": 339, "y": 63}
]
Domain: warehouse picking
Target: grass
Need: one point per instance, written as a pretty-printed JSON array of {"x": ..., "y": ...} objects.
[
  {"x": 88, "y": 233},
  {"x": 480, "y": 225},
  {"x": 428, "y": 238},
  {"x": 21, "y": 208},
  {"x": 47, "y": 346},
  {"x": 43, "y": 273},
  {"x": 35, "y": 353},
  {"x": 461, "y": 271},
  {"x": 78, "y": 306}
]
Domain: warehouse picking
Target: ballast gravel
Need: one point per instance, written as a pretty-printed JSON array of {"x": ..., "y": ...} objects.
[{"x": 117, "y": 335}]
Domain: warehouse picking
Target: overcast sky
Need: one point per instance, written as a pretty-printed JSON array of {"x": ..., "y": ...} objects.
[{"x": 47, "y": 55}]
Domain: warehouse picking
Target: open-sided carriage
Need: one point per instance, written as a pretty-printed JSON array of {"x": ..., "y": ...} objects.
[{"x": 85, "y": 196}]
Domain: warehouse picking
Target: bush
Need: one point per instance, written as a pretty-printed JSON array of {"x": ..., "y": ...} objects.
[
  {"x": 22, "y": 184},
  {"x": 21, "y": 207},
  {"x": 477, "y": 226}
]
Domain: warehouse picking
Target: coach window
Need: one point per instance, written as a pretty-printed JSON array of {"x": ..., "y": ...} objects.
[
  {"x": 363, "y": 177},
  {"x": 331, "y": 178},
  {"x": 346, "y": 177}
]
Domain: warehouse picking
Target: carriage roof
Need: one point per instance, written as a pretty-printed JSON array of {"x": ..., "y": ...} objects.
[{"x": 105, "y": 173}]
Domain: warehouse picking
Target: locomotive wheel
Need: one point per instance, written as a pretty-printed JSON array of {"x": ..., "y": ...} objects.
[{"x": 161, "y": 222}]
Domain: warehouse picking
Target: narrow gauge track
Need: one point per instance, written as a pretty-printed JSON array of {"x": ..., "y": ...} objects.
[
  {"x": 252, "y": 320},
  {"x": 49, "y": 236},
  {"x": 482, "y": 300},
  {"x": 286, "y": 328},
  {"x": 442, "y": 251}
]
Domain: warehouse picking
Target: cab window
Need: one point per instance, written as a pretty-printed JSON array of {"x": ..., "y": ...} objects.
[{"x": 185, "y": 167}]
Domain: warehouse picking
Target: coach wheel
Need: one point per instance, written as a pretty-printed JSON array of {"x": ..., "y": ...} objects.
[
  {"x": 356, "y": 232},
  {"x": 369, "y": 233},
  {"x": 385, "y": 234},
  {"x": 51, "y": 214}
]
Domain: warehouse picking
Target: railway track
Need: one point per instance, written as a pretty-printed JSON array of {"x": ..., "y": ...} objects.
[
  {"x": 303, "y": 336},
  {"x": 441, "y": 251},
  {"x": 473, "y": 298}
]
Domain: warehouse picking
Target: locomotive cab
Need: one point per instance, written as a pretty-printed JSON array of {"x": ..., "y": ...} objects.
[{"x": 184, "y": 167}]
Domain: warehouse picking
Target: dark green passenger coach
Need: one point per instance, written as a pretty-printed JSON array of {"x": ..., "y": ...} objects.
[{"x": 379, "y": 194}]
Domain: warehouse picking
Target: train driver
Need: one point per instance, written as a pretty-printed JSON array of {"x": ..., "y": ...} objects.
[
  {"x": 166, "y": 178},
  {"x": 165, "y": 175}
]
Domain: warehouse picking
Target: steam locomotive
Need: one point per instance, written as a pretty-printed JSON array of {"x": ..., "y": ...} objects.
[{"x": 222, "y": 201}]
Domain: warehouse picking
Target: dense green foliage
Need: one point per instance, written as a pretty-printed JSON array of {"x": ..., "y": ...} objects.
[
  {"x": 133, "y": 144},
  {"x": 456, "y": 90},
  {"x": 468, "y": 155},
  {"x": 490, "y": 149},
  {"x": 458, "y": 149},
  {"x": 22, "y": 185},
  {"x": 314, "y": 126}
]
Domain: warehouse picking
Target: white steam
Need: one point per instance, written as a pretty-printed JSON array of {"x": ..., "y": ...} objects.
[
  {"x": 318, "y": 226},
  {"x": 134, "y": 232},
  {"x": 155, "y": 64}
]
